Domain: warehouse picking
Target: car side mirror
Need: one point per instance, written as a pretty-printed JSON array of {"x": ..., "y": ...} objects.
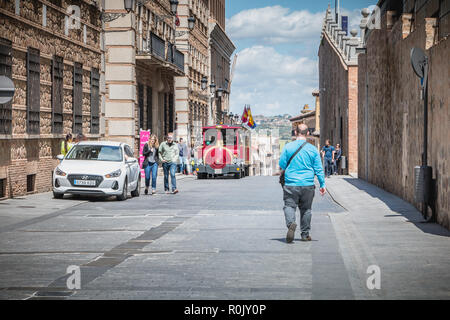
[
  {"x": 131, "y": 160},
  {"x": 60, "y": 157}
]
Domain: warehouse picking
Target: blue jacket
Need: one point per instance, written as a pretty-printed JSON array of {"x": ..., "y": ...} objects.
[{"x": 304, "y": 166}]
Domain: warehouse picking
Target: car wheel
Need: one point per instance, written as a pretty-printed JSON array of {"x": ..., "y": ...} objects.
[
  {"x": 137, "y": 191},
  {"x": 124, "y": 194},
  {"x": 57, "y": 195}
]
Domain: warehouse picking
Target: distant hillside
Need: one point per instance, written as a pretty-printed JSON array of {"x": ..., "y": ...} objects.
[{"x": 271, "y": 122}]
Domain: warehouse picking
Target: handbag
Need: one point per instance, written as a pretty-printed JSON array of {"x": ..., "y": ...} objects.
[{"x": 282, "y": 177}]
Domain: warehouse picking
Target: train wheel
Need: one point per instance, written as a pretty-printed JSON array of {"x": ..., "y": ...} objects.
[{"x": 201, "y": 176}]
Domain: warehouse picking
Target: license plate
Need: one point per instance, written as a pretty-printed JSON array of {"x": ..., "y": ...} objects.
[
  {"x": 84, "y": 182},
  {"x": 218, "y": 171}
]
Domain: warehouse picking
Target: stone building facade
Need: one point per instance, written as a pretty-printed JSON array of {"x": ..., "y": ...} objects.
[
  {"x": 390, "y": 106},
  {"x": 308, "y": 117},
  {"x": 338, "y": 78},
  {"x": 191, "y": 105},
  {"x": 57, "y": 74},
  {"x": 220, "y": 50},
  {"x": 141, "y": 64}
]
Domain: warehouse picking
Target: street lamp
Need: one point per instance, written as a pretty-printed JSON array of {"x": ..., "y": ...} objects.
[
  {"x": 191, "y": 23},
  {"x": 219, "y": 92},
  {"x": 174, "y": 6},
  {"x": 191, "y": 26},
  {"x": 204, "y": 83},
  {"x": 212, "y": 87}
]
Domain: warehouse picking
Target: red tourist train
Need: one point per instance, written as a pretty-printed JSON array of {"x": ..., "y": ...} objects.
[{"x": 225, "y": 150}]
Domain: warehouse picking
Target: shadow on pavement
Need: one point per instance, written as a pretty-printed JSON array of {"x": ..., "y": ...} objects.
[{"x": 399, "y": 206}]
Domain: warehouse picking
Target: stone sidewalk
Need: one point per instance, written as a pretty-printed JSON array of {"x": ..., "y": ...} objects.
[
  {"x": 381, "y": 229},
  {"x": 43, "y": 206}
]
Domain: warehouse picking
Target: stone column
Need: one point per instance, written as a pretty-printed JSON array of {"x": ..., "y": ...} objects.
[
  {"x": 120, "y": 75},
  {"x": 352, "y": 44},
  {"x": 365, "y": 13},
  {"x": 182, "y": 83},
  {"x": 341, "y": 36}
]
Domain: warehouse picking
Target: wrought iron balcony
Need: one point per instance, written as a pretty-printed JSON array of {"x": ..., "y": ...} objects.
[
  {"x": 179, "y": 60},
  {"x": 157, "y": 46},
  {"x": 170, "y": 53}
]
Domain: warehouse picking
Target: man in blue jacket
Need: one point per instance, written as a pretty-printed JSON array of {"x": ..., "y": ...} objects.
[{"x": 299, "y": 187}]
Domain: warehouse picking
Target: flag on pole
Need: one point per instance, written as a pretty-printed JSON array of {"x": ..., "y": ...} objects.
[
  {"x": 251, "y": 123},
  {"x": 244, "y": 118}
]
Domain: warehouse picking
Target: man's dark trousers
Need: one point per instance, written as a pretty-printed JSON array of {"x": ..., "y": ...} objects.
[
  {"x": 328, "y": 166},
  {"x": 301, "y": 197}
]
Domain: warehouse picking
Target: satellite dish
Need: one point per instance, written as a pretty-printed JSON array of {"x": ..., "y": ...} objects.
[
  {"x": 6, "y": 89},
  {"x": 419, "y": 61}
]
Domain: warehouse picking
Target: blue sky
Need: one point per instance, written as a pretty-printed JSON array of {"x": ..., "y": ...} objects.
[{"x": 277, "y": 43}]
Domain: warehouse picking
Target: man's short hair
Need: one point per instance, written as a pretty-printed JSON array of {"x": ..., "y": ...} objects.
[{"x": 302, "y": 129}]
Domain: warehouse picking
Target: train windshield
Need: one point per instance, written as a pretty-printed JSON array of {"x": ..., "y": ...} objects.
[{"x": 226, "y": 137}]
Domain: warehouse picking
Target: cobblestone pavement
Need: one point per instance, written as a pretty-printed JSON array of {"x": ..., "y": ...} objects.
[{"x": 220, "y": 239}]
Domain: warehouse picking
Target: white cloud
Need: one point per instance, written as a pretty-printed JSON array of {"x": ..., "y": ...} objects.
[
  {"x": 266, "y": 77},
  {"x": 274, "y": 25},
  {"x": 271, "y": 82}
]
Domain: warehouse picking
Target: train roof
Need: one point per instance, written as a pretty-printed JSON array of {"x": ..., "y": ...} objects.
[{"x": 225, "y": 126}]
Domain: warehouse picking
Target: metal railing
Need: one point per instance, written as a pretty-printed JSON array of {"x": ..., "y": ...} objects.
[
  {"x": 179, "y": 60},
  {"x": 157, "y": 46},
  {"x": 170, "y": 53}
]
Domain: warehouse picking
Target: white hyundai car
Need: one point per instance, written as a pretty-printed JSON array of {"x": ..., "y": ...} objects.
[{"x": 102, "y": 168}]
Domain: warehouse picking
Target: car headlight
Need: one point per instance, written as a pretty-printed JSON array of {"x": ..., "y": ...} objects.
[
  {"x": 59, "y": 172},
  {"x": 114, "y": 174}
]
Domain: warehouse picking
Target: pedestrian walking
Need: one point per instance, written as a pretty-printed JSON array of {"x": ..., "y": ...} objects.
[
  {"x": 328, "y": 157},
  {"x": 151, "y": 161},
  {"x": 183, "y": 155},
  {"x": 67, "y": 144},
  {"x": 169, "y": 154},
  {"x": 300, "y": 162},
  {"x": 337, "y": 158}
]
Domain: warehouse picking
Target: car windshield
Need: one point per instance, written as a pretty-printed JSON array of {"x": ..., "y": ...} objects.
[{"x": 92, "y": 152}]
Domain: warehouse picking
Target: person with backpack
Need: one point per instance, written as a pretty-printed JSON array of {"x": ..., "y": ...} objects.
[{"x": 300, "y": 162}]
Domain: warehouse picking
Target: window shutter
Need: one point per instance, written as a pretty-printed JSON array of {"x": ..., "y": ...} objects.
[
  {"x": 95, "y": 96},
  {"x": 33, "y": 91},
  {"x": 77, "y": 98},
  {"x": 6, "y": 70},
  {"x": 57, "y": 94}
]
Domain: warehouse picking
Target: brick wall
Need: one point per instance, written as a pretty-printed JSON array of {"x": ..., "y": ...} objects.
[
  {"x": 338, "y": 103},
  {"x": 23, "y": 154},
  {"x": 391, "y": 113}
]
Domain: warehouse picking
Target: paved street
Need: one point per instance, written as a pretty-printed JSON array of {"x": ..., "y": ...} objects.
[{"x": 221, "y": 239}]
